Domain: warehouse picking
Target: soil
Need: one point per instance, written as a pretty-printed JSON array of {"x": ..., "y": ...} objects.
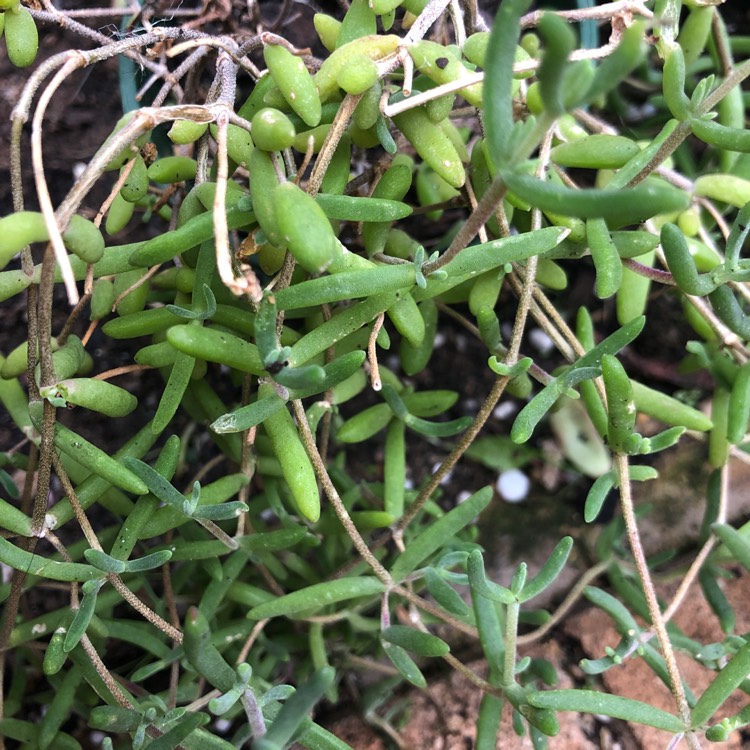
[{"x": 442, "y": 717}]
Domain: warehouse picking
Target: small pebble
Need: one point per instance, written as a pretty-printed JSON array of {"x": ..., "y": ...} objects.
[
  {"x": 513, "y": 485},
  {"x": 541, "y": 340},
  {"x": 504, "y": 410},
  {"x": 446, "y": 478}
]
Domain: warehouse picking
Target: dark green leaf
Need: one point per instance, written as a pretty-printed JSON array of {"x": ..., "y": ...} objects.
[
  {"x": 296, "y": 708},
  {"x": 444, "y": 594},
  {"x": 404, "y": 664},
  {"x": 422, "y": 644},
  {"x": 183, "y": 729},
  {"x": 84, "y": 614},
  {"x": 156, "y": 483}
]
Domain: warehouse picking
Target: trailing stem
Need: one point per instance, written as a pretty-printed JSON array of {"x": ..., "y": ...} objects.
[{"x": 621, "y": 465}]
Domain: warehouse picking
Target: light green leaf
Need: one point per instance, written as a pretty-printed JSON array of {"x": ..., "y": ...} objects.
[
  {"x": 423, "y": 644},
  {"x": 549, "y": 572},
  {"x": 594, "y": 702},
  {"x": 440, "y": 532},
  {"x": 318, "y": 595},
  {"x": 724, "y": 684}
]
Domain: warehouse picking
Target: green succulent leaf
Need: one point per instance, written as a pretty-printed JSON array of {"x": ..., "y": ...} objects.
[
  {"x": 433, "y": 537},
  {"x": 422, "y": 644},
  {"x": 594, "y": 702},
  {"x": 318, "y": 595}
]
